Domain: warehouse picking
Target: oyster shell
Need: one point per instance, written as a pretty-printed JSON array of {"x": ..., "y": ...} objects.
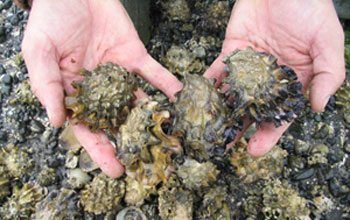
[
  {"x": 174, "y": 201},
  {"x": 195, "y": 175},
  {"x": 21, "y": 204},
  {"x": 102, "y": 194},
  {"x": 58, "y": 205},
  {"x": 342, "y": 99},
  {"x": 17, "y": 160},
  {"x": 4, "y": 183},
  {"x": 142, "y": 146},
  {"x": 214, "y": 205},
  {"x": 104, "y": 98},
  {"x": 261, "y": 89},
  {"x": 252, "y": 169},
  {"x": 177, "y": 10},
  {"x": 202, "y": 118},
  {"x": 136, "y": 192}
]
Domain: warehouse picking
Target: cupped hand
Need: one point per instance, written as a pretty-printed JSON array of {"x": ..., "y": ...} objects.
[
  {"x": 64, "y": 36},
  {"x": 304, "y": 35}
]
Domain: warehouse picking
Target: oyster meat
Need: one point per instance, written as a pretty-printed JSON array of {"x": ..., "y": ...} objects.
[
  {"x": 142, "y": 146},
  {"x": 202, "y": 118},
  {"x": 104, "y": 98},
  {"x": 261, "y": 88}
]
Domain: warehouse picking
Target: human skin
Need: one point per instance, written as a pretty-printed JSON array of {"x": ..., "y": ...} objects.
[
  {"x": 65, "y": 36},
  {"x": 304, "y": 35}
]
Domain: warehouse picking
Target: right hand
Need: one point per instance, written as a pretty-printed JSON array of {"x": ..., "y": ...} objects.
[{"x": 65, "y": 36}]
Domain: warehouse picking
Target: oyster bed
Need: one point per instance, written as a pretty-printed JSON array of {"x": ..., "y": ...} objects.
[{"x": 44, "y": 173}]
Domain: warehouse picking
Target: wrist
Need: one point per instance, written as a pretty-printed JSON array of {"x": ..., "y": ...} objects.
[{"x": 24, "y": 4}]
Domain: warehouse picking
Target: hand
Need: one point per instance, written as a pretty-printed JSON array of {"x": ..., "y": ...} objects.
[
  {"x": 64, "y": 36},
  {"x": 304, "y": 35}
]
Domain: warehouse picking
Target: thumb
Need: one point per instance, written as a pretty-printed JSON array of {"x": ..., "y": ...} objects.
[
  {"x": 44, "y": 73},
  {"x": 328, "y": 65}
]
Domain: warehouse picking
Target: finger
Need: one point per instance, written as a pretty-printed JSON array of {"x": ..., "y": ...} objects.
[
  {"x": 40, "y": 58},
  {"x": 100, "y": 150},
  {"x": 328, "y": 64},
  {"x": 140, "y": 94},
  {"x": 265, "y": 138},
  {"x": 216, "y": 70}
]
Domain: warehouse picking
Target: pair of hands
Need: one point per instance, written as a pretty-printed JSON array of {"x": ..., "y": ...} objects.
[{"x": 64, "y": 36}]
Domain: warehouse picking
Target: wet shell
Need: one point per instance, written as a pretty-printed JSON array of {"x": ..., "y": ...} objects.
[
  {"x": 202, "y": 118},
  {"x": 342, "y": 99},
  {"x": 4, "y": 183},
  {"x": 104, "y": 98},
  {"x": 214, "y": 205},
  {"x": 102, "y": 194},
  {"x": 58, "y": 205},
  {"x": 131, "y": 213},
  {"x": 261, "y": 89},
  {"x": 21, "y": 204},
  {"x": 142, "y": 146},
  {"x": 136, "y": 192}
]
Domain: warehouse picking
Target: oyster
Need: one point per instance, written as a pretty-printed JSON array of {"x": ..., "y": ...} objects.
[
  {"x": 195, "y": 175},
  {"x": 261, "y": 89},
  {"x": 202, "y": 118},
  {"x": 17, "y": 160},
  {"x": 214, "y": 205},
  {"x": 23, "y": 94},
  {"x": 104, "y": 98},
  {"x": 58, "y": 205},
  {"x": 142, "y": 146},
  {"x": 102, "y": 194},
  {"x": 177, "y": 10},
  {"x": 252, "y": 169},
  {"x": 342, "y": 99},
  {"x": 174, "y": 201},
  {"x": 136, "y": 192},
  {"x": 21, "y": 204}
]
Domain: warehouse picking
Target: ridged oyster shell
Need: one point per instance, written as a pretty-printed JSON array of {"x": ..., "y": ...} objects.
[
  {"x": 142, "y": 146},
  {"x": 202, "y": 118},
  {"x": 342, "y": 99},
  {"x": 104, "y": 98},
  {"x": 261, "y": 89}
]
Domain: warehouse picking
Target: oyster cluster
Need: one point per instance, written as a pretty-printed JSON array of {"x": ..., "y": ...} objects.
[
  {"x": 104, "y": 98},
  {"x": 342, "y": 99},
  {"x": 261, "y": 88}
]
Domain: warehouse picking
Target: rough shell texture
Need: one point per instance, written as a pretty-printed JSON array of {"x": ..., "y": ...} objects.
[
  {"x": 177, "y": 10},
  {"x": 23, "y": 94},
  {"x": 195, "y": 175},
  {"x": 261, "y": 89},
  {"x": 17, "y": 160},
  {"x": 58, "y": 205},
  {"x": 174, "y": 201},
  {"x": 136, "y": 192},
  {"x": 4, "y": 183},
  {"x": 281, "y": 201},
  {"x": 21, "y": 204},
  {"x": 131, "y": 213},
  {"x": 202, "y": 118},
  {"x": 102, "y": 194},
  {"x": 215, "y": 16},
  {"x": 142, "y": 146},
  {"x": 214, "y": 205},
  {"x": 252, "y": 169},
  {"x": 342, "y": 99},
  {"x": 103, "y": 98}
]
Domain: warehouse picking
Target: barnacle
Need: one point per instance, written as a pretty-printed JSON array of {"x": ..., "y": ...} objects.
[
  {"x": 58, "y": 205},
  {"x": 136, "y": 192},
  {"x": 342, "y": 99},
  {"x": 281, "y": 201},
  {"x": 214, "y": 205},
  {"x": 261, "y": 89},
  {"x": 142, "y": 146},
  {"x": 195, "y": 175},
  {"x": 202, "y": 118},
  {"x": 17, "y": 160},
  {"x": 22, "y": 202},
  {"x": 130, "y": 213},
  {"x": 174, "y": 201},
  {"x": 252, "y": 169},
  {"x": 102, "y": 194},
  {"x": 104, "y": 98}
]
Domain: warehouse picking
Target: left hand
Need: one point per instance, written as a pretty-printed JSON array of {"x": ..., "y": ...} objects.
[{"x": 304, "y": 35}]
